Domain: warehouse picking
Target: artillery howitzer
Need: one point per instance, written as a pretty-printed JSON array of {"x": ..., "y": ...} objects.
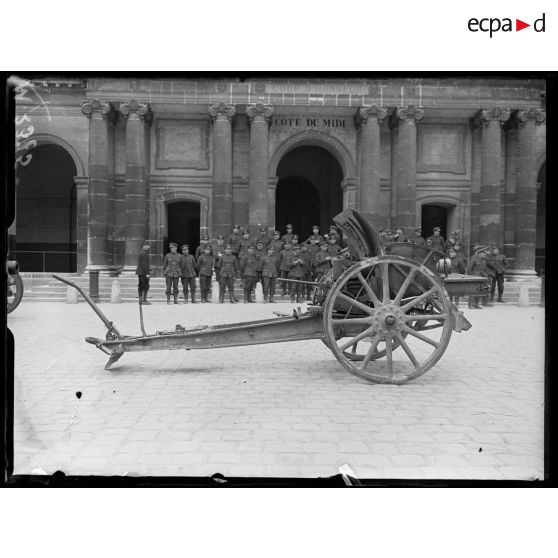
[
  {"x": 363, "y": 309},
  {"x": 14, "y": 286}
]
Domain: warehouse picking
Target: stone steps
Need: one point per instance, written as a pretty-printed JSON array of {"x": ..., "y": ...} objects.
[{"x": 49, "y": 289}]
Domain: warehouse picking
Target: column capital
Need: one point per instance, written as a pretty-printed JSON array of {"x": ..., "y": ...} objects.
[
  {"x": 142, "y": 110},
  {"x": 106, "y": 110},
  {"x": 410, "y": 114},
  {"x": 369, "y": 112},
  {"x": 521, "y": 117},
  {"x": 493, "y": 115},
  {"x": 222, "y": 109},
  {"x": 259, "y": 109}
]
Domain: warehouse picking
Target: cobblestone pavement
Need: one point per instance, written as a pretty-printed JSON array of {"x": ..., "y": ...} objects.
[{"x": 286, "y": 409}]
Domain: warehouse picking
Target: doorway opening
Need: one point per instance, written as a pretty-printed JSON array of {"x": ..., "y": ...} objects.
[
  {"x": 46, "y": 215},
  {"x": 308, "y": 191},
  {"x": 438, "y": 215},
  {"x": 183, "y": 225}
]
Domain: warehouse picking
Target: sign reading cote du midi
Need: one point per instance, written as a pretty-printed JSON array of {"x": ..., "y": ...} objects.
[{"x": 308, "y": 122}]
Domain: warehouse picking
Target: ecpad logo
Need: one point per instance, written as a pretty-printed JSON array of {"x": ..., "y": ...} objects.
[{"x": 494, "y": 24}]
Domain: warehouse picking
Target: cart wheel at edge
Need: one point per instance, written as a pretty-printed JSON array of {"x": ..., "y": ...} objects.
[
  {"x": 378, "y": 302},
  {"x": 15, "y": 292}
]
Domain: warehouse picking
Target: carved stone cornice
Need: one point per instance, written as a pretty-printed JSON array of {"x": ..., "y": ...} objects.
[
  {"x": 369, "y": 112},
  {"x": 259, "y": 109},
  {"x": 222, "y": 109},
  {"x": 410, "y": 114},
  {"x": 143, "y": 110},
  {"x": 106, "y": 110}
]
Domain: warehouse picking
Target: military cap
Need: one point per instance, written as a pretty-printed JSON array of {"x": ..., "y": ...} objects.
[
  {"x": 259, "y": 242},
  {"x": 245, "y": 231},
  {"x": 236, "y": 226},
  {"x": 332, "y": 228},
  {"x": 270, "y": 247},
  {"x": 228, "y": 247},
  {"x": 263, "y": 228},
  {"x": 207, "y": 247},
  {"x": 276, "y": 233},
  {"x": 205, "y": 238},
  {"x": 418, "y": 229},
  {"x": 437, "y": 229},
  {"x": 323, "y": 243},
  {"x": 315, "y": 227},
  {"x": 185, "y": 246},
  {"x": 220, "y": 237},
  {"x": 287, "y": 242},
  {"x": 381, "y": 229},
  {"x": 173, "y": 244},
  {"x": 289, "y": 226},
  {"x": 250, "y": 247},
  {"x": 295, "y": 236}
]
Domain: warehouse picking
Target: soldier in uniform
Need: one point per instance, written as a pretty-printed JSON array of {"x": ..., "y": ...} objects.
[
  {"x": 234, "y": 240},
  {"x": 277, "y": 243},
  {"x": 498, "y": 263},
  {"x": 188, "y": 273},
  {"x": 418, "y": 238},
  {"x": 264, "y": 237},
  {"x": 399, "y": 236},
  {"x": 477, "y": 266},
  {"x": 172, "y": 272},
  {"x": 229, "y": 270},
  {"x": 313, "y": 249},
  {"x": 315, "y": 235},
  {"x": 294, "y": 241},
  {"x": 457, "y": 265},
  {"x": 285, "y": 258},
  {"x": 438, "y": 242},
  {"x": 333, "y": 247},
  {"x": 269, "y": 269},
  {"x": 249, "y": 269},
  {"x": 296, "y": 271},
  {"x": 334, "y": 234},
  {"x": 288, "y": 235},
  {"x": 205, "y": 269},
  {"x": 143, "y": 271},
  {"x": 322, "y": 261},
  {"x": 491, "y": 274},
  {"x": 244, "y": 243},
  {"x": 203, "y": 243},
  {"x": 260, "y": 253},
  {"x": 218, "y": 249},
  {"x": 308, "y": 269}
]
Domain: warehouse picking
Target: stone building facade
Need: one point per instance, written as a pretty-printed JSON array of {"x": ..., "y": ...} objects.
[{"x": 117, "y": 161}]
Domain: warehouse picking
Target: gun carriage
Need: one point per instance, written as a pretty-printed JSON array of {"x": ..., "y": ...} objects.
[{"x": 385, "y": 313}]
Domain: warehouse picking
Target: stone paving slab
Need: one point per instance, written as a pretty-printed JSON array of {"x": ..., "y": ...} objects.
[{"x": 285, "y": 409}]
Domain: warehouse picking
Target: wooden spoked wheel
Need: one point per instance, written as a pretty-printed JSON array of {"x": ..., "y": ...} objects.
[
  {"x": 383, "y": 303},
  {"x": 14, "y": 291}
]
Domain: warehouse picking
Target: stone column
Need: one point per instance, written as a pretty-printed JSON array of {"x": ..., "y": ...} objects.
[
  {"x": 101, "y": 118},
  {"x": 138, "y": 118},
  {"x": 260, "y": 118},
  {"x": 526, "y": 192},
  {"x": 222, "y": 194},
  {"x": 369, "y": 120},
  {"x": 82, "y": 187},
  {"x": 491, "y": 175},
  {"x": 271, "y": 196},
  {"x": 406, "y": 164}
]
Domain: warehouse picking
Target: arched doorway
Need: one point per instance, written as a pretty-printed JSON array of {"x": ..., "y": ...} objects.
[
  {"x": 443, "y": 215},
  {"x": 309, "y": 189},
  {"x": 183, "y": 224},
  {"x": 541, "y": 221},
  {"x": 46, "y": 212}
]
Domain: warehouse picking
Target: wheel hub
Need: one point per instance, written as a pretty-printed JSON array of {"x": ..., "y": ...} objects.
[{"x": 388, "y": 319}]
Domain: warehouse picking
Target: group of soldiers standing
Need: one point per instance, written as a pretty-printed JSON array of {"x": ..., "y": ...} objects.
[
  {"x": 272, "y": 257},
  {"x": 486, "y": 261},
  {"x": 267, "y": 259}
]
